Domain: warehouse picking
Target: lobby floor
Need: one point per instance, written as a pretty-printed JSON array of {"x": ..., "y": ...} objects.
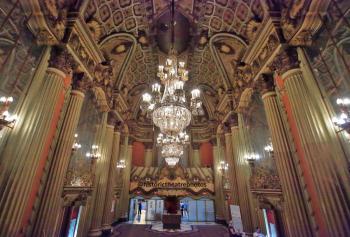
[
  {"x": 139, "y": 227},
  {"x": 146, "y": 230}
]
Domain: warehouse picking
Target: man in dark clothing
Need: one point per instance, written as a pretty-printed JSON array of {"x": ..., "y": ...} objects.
[{"x": 139, "y": 209}]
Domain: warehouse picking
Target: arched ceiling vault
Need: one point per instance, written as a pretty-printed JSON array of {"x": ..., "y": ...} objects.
[{"x": 211, "y": 36}]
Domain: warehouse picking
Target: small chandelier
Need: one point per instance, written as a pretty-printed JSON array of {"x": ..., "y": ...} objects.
[
  {"x": 172, "y": 153},
  {"x": 172, "y": 147},
  {"x": 251, "y": 158},
  {"x": 121, "y": 164},
  {"x": 343, "y": 120},
  {"x": 6, "y": 119},
  {"x": 94, "y": 154}
]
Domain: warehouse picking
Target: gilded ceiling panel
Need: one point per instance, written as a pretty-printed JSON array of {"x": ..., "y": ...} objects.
[
  {"x": 117, "y": 16},
  {"x": 236, "y": 16}
]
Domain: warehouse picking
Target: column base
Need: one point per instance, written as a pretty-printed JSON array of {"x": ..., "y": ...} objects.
[{"x": 95, "y": 232}]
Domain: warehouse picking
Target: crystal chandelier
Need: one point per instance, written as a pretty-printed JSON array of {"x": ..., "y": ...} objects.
[
  {"x": 172, "y": 153},
  {"x": 170, "y": 111},
  {"x": 172, "y": 147}
]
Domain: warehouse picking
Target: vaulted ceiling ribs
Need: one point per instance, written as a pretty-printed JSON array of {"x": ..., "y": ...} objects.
[{"x": 212, "y": 63}]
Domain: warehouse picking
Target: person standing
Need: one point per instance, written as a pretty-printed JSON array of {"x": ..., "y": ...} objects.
[{"x": 139, "y": 209}]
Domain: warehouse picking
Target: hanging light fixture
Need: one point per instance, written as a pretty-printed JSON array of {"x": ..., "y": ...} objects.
[
  {"x": 172, "y": 153},
  {"x": 172, "y": 147},
  {"x": 6, "y": 119},
  {"x": 169, "y": 109}
]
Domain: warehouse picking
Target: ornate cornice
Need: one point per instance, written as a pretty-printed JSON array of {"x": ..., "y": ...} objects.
[
  {"x": 83, "y": 48},
  {"x": 308, "y": 22}
]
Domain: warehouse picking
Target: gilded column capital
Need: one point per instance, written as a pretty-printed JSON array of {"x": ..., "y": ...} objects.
[
  {"x": 233, "y": 120},
  {"x": 195, "y": 146},
  {"x": 266, "y": 85},
  {"x": 148, "y": 145},
  {"x": 112, "y": 120},
  {"x": 80, "y": 82},
  {"x": 286, "y": 60},
  {"x": 62, "y": 60}
]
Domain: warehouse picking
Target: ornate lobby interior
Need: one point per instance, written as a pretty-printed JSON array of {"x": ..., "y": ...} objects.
[{"x": 183, "y": 118}]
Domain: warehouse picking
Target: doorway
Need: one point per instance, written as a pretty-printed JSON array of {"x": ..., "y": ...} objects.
[
  {"x": 142, "y": 210},
  {"x": 70, "y": 221},
  {"x": 201, "y": 210},
  {"x": 273, "y": 224}
]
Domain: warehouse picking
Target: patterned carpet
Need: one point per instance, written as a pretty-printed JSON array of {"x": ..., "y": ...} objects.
[{"x": 130, "y": 230}]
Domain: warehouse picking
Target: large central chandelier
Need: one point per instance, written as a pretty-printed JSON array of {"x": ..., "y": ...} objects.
[{"x": 169, "y": 110}]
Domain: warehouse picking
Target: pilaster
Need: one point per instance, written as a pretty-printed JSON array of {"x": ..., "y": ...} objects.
[
  {"x": 102, "y": 168},
  {"x": 242, "y": 170},
  {"x": 108, "y": 212}
]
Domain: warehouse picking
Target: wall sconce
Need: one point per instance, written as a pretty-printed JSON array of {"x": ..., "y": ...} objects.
[
  {"x": 121, "y": 164},
  {"x": 6, "y": 119},
  {"x": 76, "y": 146},
  {"x": 343, "y": 120},
  {"x": 269, "y": 149},
  {"x": 94, "y": 154},
  {"x": 251, "y": 158},
  {"x": 223, "y": 166}
]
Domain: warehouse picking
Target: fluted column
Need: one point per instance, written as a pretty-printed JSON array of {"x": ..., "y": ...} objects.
[
  {"x": 26, "y": 152},
  {"x": 296, "y": 214},
  {"x": 231, "y": 169},
  {"x": 46, "y": 223},
  {"x": 102, "y": 169},
  {"x": 242, "y": 174},
  {"x": 196, "y": 157},
  {"x": 108, "y": 211},
  {"x": 86, "y": 219},
  {"x": 149, "y": 156},
  {"x": 124, "y": 199},
  {"x": 219, "y": 199},
  {"x": 324, "y": 165}
]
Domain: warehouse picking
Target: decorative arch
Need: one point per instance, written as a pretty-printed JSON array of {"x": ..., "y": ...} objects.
[
  {"x": 114, "y": 45},
  {"x": 217, "y": 58}
]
